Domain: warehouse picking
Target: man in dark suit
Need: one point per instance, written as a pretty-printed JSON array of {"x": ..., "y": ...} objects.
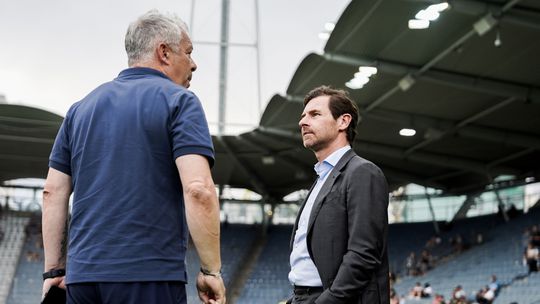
[{"x": 338, "y": 246}]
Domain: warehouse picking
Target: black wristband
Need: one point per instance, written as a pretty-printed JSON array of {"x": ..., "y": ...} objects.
[{"x": 54, "y": 273}]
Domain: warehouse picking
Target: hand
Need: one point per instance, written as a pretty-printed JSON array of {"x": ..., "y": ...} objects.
[
  {"x": 211, "y": 289},
  {"x": 48, "y": 283}
]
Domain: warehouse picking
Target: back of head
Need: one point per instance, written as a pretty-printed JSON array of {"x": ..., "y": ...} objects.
[{"x": 148, "y": 31}]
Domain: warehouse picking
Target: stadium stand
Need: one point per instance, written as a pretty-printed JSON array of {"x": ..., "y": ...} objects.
[
  {"x": 501, "y": 254},
  {"x": 11, "y": 245},
  {"x": 236, "y": 241},
  {"x": 26, "y": 286},
  {"x": 268, "y": 281}
]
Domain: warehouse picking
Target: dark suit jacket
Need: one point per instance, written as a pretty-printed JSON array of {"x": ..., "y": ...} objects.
[{"x": 347, "y": 233}]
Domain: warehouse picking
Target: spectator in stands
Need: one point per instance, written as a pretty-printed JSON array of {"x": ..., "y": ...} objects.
[
  {"x": 531, "y": 257},
  {"x": 479, "y": 238},
  {"x": 394, "y": 298},
  {"x": 534, "y": 236},
  {"x": 416, "y": 291},
  {"x": 137, "y": 154},
  {"x": 459, "y": 296},
  {"x": 494, "y": 285},
  {"x": 438, "y": 299},
  {"x": 489, "y": 295},
  {"x": 344, "y": 259},
  {"x": 427, "y": 291},
  {"x": 431, "y": 243},
  {"x": 392, "y": 278},
  {"x": 410, "y": 264},
  {"x": 426, "y": 262}
]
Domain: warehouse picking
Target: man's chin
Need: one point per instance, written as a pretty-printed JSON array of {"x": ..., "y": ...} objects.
[{"x": 308, "y": 145}]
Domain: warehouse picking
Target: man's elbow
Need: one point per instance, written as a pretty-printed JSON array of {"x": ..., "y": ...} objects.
[
  {"x": 200, "y": 192},
  {"x": 53, "y": 189}
]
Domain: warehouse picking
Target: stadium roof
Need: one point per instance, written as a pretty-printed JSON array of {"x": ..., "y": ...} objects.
[
  {"x": 26, "y": 138},
  {"x": 475, "y": 106}
]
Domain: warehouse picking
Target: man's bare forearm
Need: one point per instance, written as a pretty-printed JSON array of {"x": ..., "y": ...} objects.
[
  {"x": 202, "y": 208},
  {"x": 55, "y": 219},
  {"x": 202, "y": 212}
]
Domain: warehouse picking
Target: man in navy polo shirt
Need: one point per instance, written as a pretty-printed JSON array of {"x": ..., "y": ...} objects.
[{"x": 136, "y": 153}]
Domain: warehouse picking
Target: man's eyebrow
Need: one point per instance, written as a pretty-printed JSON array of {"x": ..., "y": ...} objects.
[{"x": 309, "y": 112}]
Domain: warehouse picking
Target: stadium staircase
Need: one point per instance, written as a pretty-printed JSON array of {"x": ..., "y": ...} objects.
[
  {"x": 27, "y": 283},
  {"x": 11, "y": 245}
]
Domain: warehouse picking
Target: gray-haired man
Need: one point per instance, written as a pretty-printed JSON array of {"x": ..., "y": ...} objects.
[{"x": 136, "y": 153}]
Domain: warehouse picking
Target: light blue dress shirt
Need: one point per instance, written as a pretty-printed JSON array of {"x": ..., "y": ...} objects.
[{"x": 303, "y": 270}]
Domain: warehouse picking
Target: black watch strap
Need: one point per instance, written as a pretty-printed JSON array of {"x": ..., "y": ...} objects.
[{"x": 54, "y": 273}]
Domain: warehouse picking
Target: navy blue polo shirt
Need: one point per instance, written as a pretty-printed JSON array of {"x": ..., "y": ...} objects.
[{"x": 119, "y": 145}]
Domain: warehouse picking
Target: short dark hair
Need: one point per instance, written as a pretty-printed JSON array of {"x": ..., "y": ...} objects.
[{"x": 340, "y": 103}]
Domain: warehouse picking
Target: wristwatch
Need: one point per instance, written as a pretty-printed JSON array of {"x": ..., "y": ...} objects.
[
  {"x": 207, "y": 272},
  {"x": 54, "y": 273}
]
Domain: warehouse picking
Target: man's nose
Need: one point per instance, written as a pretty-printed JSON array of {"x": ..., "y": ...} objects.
[{"x": 301, "y": 122}]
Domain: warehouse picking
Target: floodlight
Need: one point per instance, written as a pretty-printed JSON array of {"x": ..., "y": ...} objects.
[
  {"x": 407, "y": 132},
  {"x": 353, "y": 85},
  {"x": 415, "y": 24},
  {"x": 427, "y": 14},
  {"x": 367, "y": 70},
  {"x": 439, "y": 7}
]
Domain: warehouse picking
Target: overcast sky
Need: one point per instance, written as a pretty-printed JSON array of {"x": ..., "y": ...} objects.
[{"x": 52, "y": 53}]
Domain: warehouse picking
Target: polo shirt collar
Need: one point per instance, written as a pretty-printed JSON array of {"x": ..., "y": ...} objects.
[{"x": 140, "y": 71}]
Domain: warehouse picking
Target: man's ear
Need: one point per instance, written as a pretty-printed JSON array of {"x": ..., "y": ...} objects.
[
  {"x": 162, "y": 53},
  {"x": 344, "y": 121}
]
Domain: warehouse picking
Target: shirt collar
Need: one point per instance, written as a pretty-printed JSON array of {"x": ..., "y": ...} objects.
[
  {"x": 322, "y": 168},
  {"x": 140, "y": 71}
]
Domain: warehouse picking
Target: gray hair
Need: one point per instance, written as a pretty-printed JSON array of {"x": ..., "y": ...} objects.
[{"x": 148, "y": 31}]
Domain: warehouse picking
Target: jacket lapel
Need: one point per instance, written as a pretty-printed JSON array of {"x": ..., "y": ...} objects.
[{"x": 328, "y": 186}]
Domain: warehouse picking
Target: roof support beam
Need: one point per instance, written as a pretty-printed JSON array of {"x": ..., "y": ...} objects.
[
  {"x": 43, "y": 160},
  {"x": 27, "y": 139},
  {"x": 251, "y": 139},
  {"x": 461, "y": 124},
  {"x": 435, "y": 127},
  {"x": 452, "y": 79},
  {"x": 411, "y": 178},
  {"x": 518, "y": 15},
  {"x": 503, "y": 137},
  {"x": 419, "y": 157},
  {"x": 510, "y": 157}
]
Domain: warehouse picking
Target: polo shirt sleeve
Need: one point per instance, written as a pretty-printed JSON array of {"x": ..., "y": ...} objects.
[
  {"x": 189, "y": 128},
  {"x": 60, "y": 158}
]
